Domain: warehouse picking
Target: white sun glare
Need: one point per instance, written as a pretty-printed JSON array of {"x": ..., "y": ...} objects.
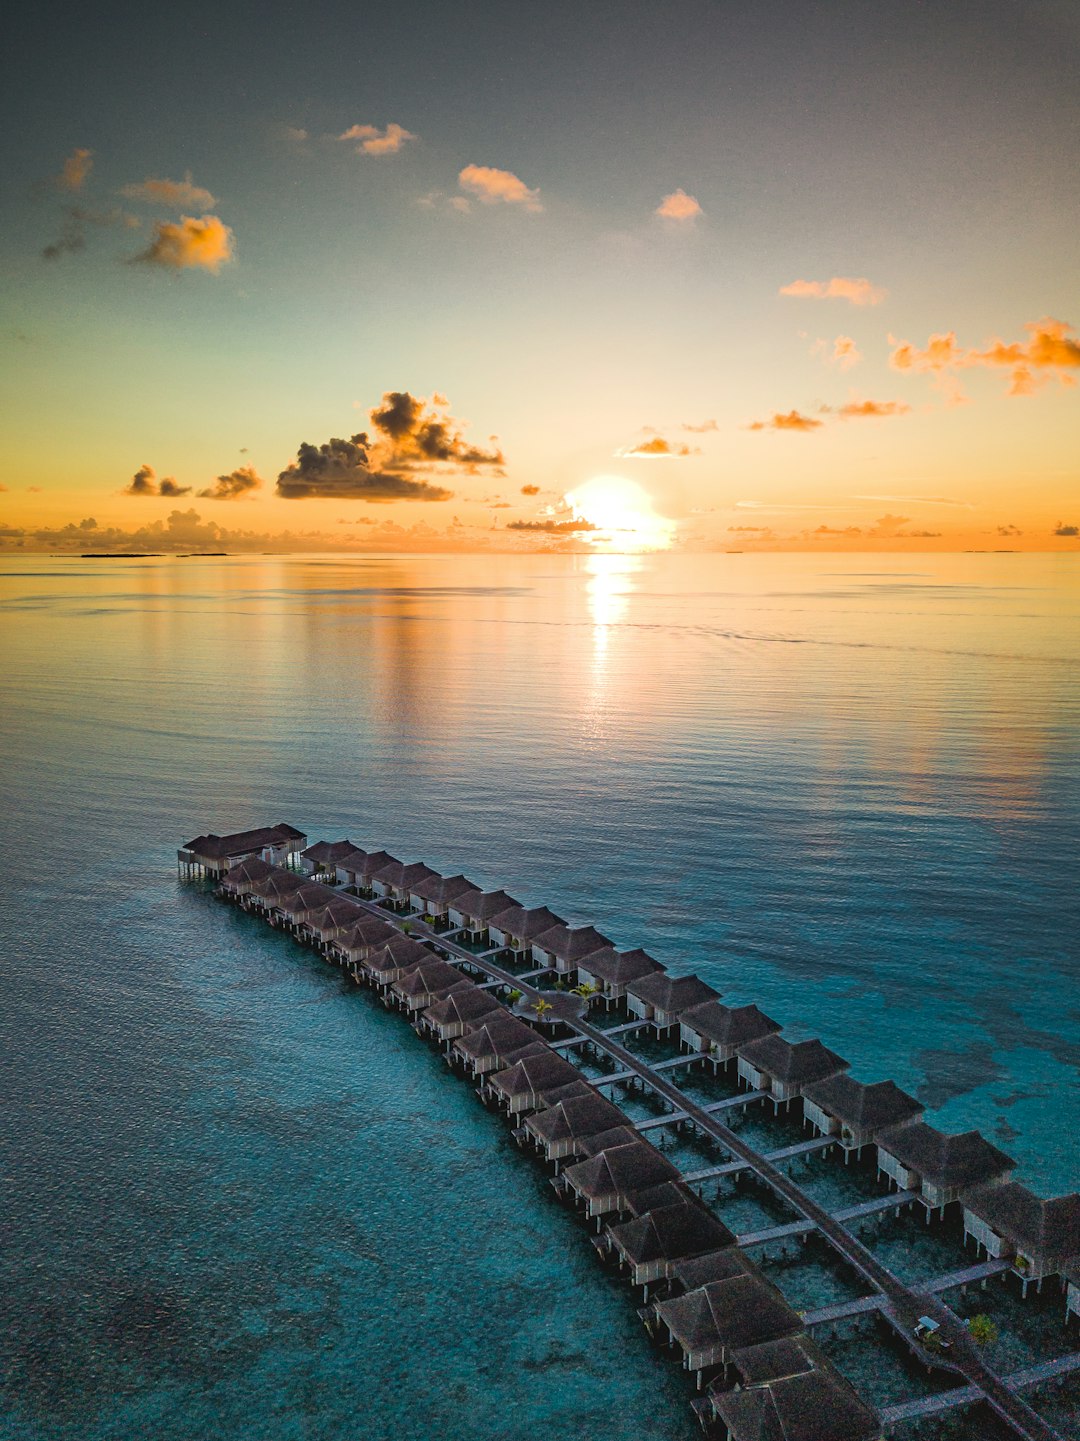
[{"x": 623, "y": 514}]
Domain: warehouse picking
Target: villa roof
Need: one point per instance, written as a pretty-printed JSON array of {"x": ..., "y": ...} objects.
[
  {"x": 354, "y": 861},
  {"x": 729, "y": 1025},
  {"x": 1044, "y": 1228},
  {"x": 402, "y": 875},
  {"x": 663, "y": 1193},
  {"x": 863, "y": 1107},
  {"x": 328, "y": 852},
  {"x": 215, "y": 847},
  {"x": 693, "y": 1272},
  {"x": 526, "y": 922},
  {"x": 338, "y": 911},
  {"x": 772, "y": 1360},
  {"x": 795, "y": 1062},
  {"x": 368, "y": 931},
  {"x": 249, "y": 871},
  {"x": 571, "y": 943},
  {"x": 495, "y": 1036},
  {"x": 399, "y": 951},
  {"x": 481, "y": 905},
  {"x": 620, "y": 967},
  {"x": 535, "y": 1074},
  {"x": 429, "y": 975},
  {"x": 463, "y": 1005},
  {"x": 620, "y": 1171},
  {"x": 740, "y": 1311},
  {"x": 575, "y": 1119},
  {"x": 621, "y": 1134},
  {"x": 306, "y": 897},
  {"x": 960, "y": 1160},
  {"x": 279, "y": 883},
  {"x": 671, "y": 993},
  {"x": 814, "y": 1404},
  {"x": 574, "y": 1090},
  {"x": 373, "y": 862},
  {"x": 671, "y": 1232}
]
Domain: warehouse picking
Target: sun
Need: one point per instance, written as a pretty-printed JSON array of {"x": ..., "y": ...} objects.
[{"x": 623, "y": 514}]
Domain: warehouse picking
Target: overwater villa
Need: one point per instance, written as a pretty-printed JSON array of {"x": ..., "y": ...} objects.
[
  {"x": 712, "y": 1323},
  {"x": 788, "y": 1390},
  {"x": 214, "y": 855},
  {"x": 918, "y": 1157},
  {"x": 558, "y": 1131},
  {"x": 524, "y": 1085},
  {"x": 395, "y": 959},
  {"x": 264, "y": 896},
  {"x": 451, "y": 1017},
  {"x": 361, "y": 940},
  {"x": 395, "y": 881},
  {"x": 433, "y": 895},
  {"x": 494, "y": 1044},
  {"x": 515, "y": 928},
  {"x": 605, "y": 1183},
  {"x": 471, "y": 911},
  {"x": 562, "y": 948},
  {"x": 610, "y": 971},
  {"x": 784, "y": 1068},
  {"x": 432, "y": 980},
  {"x": 1040, "y": 1237},
  {"x": 297, "y": 907},
  {"x": 240, "y": 879},
  {"x": 690, "y": 1273},
  {"x": 650, "y": 1246},
  {"x": 324, "y": 856},
  {"x": 717, "y": 1031},
  {"x": 358, "y": 867},
  {"x": 854, "y": 1112},
  {"x": 324, "y": 926},
  {"x": 661, "y": 998}
]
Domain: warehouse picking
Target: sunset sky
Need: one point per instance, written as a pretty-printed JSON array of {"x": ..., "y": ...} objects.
[{"x": 427, "y": 277}]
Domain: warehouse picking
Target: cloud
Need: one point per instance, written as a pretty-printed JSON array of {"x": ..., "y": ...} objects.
[
  {"x": 1009, "y": 530},
  {"x": 845, "y": 530},
  {"x": 679, "y": 206},
  {"x": 1062, "y": 529},
  {"x": 918, "y": 500},
  {"x": 233, "y": 486},
  {"x": 75, "y": 170},
  {"x": 1051, "y": 348},
  {"x": 841, "y": 287},
  {"x": 845, "y": 353},
  {"x": 700, "y": 429},
  {"x": 341, "y": 470},
  {"x": 657, "y": 449},
  {"x": 410, "y": 432},
  {"x": 69, "y": 242},
  {"x": 144, "y": 482},
  {"x": 552, "y": 527},
  {"x": 493, "y": 187},
  {"x": 869, "y": 409},
  {"x": 374, "y": 141},
  {"x": 176, "y": 194},
  {"x": 204, "y": 244},
  {"x": 530, "y": 490},
  {"x": 793, "y": 420},
  {"x": 72, "y": 237},
  {"x": 295, "y": 135}
]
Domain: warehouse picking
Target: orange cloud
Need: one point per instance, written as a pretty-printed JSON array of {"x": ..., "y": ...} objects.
[
  {"x": 679, "y": 206},
  {"x": 233, "y": 486},
  {"x": 177, "y": 194},
  {"x": 190, "y": 244},
  {"x": 1051, "y": 348},
  {"x": 845, "y": 352},
  {"x": 145, "y": 482},
  {"x": 841, "y": 287},
  {"x": 75, "y": 170},
  {"x": 793, "y": 420},
  {"x": 552, "y": 527},
  {"x": 494, "y": 187},
  {"x": 657, "y": 449},
  {"x": 872, "y": 409},
  {"x": 374, "y": 141},
  {"x": 700, "y": 429},
  {"x": 530, "y": 490}
]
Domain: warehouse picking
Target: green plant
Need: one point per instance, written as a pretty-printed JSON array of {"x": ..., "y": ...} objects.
[
  {"x": 514, "y": 997},
  {"x": 406, "y": 928},
  {"x": 983, "y": 1330},
  {"x": 541, "y": 1007}
]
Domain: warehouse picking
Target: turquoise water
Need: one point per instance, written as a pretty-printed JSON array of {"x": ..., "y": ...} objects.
[{"x": 243, "y": 1201}]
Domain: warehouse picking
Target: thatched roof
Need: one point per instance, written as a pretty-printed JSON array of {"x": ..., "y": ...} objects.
[
  {"x": 572, "y": 943},
  {"x": 729, "y": 1025},
  {"x": 239, "y": 843},
  {"x": 740, "y": 1311},
  {"x": 794, "y": 1062},
  {"x": 673, "y": 994},
  {"x": 495, "y": 1037},
  {"x": 815, "y": 1404},
  {"x": 621, "y": 1134},
  {"x": 573, "y": 1120},
  {"x": 863, "y": 1107},
  {"x": 432, "y": 977},
  {"x": 620, "y": 1171},
  {"x": 671, "y": 1232},
  {"x": 619, "y": 968},
  {"x": 1044, "y": 1228},
  {"x": 328, "y": 853},
  {"x": 525, "y": 922},
  {"x": 946, "y": 1161},
  {"x": 535, "y": 1074},
  {"x": 336, "y": 913},
  {"x": 306, "y": 898},
  {"x": 693, "y": 1272},
  {"x": 441, "y": 890},
  {"x": 789, "y": 1356},
  {"x": 373, "y": 862},
  {"x": 481, "y": 905},
  {"x": 399, "y": 951},
  {"x": 369, "y": 931},
  {"x": 463, "y": 1006},
  {"x": 248, "y": 872}
]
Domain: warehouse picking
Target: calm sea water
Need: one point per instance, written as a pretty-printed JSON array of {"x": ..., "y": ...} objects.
[{"x": 242, "y": 1201}]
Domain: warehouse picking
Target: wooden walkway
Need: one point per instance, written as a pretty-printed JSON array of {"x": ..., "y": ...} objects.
[
  {"x": 982, "y": 1272},
  {"x": 849, "y": 1213},
  {"x": 969, "y": 1395},
  {"x": 730, "y": 1103}
]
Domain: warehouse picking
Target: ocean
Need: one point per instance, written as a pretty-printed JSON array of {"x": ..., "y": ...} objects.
[{"x": 243, "y": 1200}]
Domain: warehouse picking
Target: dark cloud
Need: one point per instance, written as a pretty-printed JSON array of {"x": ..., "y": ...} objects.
[
  {"x": 408, "y": 434},
  {"x": 169, "y": 487},
  {"x": 552, "y": 527},
  {"x": 1009, "y": 530},
  {"x": 233, "y": 486},
  {"x": 145, "y": 482},
  {"x": 72, "y": 237},
  {"x": 1062, "y": 529},
  {"x": 69, "y": 242}
]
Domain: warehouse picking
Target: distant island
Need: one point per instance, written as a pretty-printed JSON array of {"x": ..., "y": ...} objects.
[{"x": 119, "y": 554}]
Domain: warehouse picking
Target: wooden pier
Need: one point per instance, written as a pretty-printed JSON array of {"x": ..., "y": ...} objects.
[{"x": 899, "y": 1304}]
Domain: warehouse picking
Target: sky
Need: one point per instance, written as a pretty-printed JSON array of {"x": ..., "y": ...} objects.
[{"x": 789, "y": 274}]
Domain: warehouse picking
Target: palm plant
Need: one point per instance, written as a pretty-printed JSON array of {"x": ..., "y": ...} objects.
[{"x": 983, "y": 1330}]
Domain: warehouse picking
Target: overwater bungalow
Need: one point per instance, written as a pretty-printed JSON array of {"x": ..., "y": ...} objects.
[
  {"x": 361, "y": 940},
  {"x": 324, "y": 856},
  {"x": 717, "y": 1031},
  {"x": 650, "y": 1245},
  {"x": 524, "y": 1085},
  {"x": 661, "y": 998},
  {"x": 562, "y": 948},
  {"x": 1040, "y": 1237},
  {"x": 471, "y": 911},
  {"x": 242, "y": 878},
  {"x": 395, "y": 881},
  {"x": 784, "y": 1068},
  {"x": 558, "y": 1131},
  {"x": 788, "y": 1390},
  {"x": 572, "y": 1091},
  {"x": 854, "y": 1112},
  {"x": 918, "y": 1157},
  {"x": 215, "y": 855},
  {"x": 606, "y": 1182},
  {"x": 335, "y": 918},
  {"x": 434, "y": 894},
  {"x": 690, "y": 1273},
  {"x": 611, "y": 971},
  {"x": 451, "y": 1017},
  {"x": 388, "y": 963},
  {"x": 362, "y": 865},
  {"x": 432, "y": 980},
  {"x": 516, "y": 927},
  {"x": 494, "y": 1044},
  {"x": 265, "y": 895},
  {"x": 350, "y": 866},
  {"x": 296, "y": 907},
  {"x": 622, "y": 1134},
  {"x": 710, "y": 1324}
]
